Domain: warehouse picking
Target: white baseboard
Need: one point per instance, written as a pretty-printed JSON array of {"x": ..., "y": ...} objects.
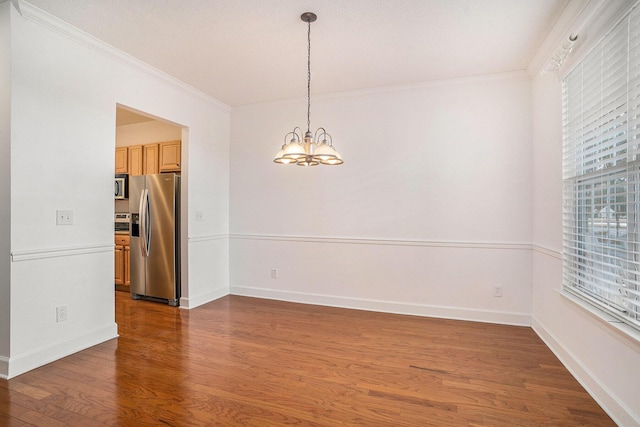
[
  {"x": 20, "y": 364},
  {"x": 193, "y": 302},
  {"x": 4, "y": 368},
  {"x": 618, "y": 411},
  {"x": 456, "y": 313}
]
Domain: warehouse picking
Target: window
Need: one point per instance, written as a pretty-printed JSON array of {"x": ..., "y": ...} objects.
[{"x": 601, "y": 173}]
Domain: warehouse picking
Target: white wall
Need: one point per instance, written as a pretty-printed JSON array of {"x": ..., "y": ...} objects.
[
  {"x": 5, "y": 184},
  {"x": 431, "y": 208},
  {"x": 62, "y": 144},
  {"x": 605, "y": 361}
]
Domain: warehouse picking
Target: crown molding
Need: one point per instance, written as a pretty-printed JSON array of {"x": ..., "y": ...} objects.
[{"x": 52, "y": 23}]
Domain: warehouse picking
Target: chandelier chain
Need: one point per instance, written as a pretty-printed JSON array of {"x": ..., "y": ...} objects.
[{"x": 308, "y": 76}]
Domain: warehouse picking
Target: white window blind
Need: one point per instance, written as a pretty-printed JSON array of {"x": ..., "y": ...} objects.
[{"x": 601, "y": 173}]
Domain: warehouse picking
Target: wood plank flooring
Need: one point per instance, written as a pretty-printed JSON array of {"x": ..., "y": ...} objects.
[{"x": 249, "y": 362}]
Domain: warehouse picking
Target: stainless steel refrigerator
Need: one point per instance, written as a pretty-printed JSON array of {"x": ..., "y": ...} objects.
[{"x": 154, "y": 203}]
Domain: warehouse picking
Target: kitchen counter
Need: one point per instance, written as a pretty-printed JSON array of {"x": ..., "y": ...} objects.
[{"x": 125, "y": 233}]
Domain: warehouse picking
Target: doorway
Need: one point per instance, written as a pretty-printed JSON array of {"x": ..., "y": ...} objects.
[{"x": 146, "y": 145}]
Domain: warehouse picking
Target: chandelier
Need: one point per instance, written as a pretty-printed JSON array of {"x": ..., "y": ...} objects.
[{"x": 312, "y": 149}]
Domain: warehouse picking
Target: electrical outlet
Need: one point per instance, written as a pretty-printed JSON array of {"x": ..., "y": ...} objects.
[
  {"x": 64, "y": 217},
  {"x": 61, "y": 313},
  {"x": 497, "y": 290},
  {"x": 274, "y": 273}
]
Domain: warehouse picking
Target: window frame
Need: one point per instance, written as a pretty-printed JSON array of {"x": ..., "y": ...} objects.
[{"x": 601, "y": 138}]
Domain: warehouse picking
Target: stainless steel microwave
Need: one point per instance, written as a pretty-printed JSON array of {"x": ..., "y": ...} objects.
[{"x": 122, "y": 186}]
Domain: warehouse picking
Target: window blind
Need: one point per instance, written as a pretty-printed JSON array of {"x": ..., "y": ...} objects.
[{"x": 601, "y": 174}]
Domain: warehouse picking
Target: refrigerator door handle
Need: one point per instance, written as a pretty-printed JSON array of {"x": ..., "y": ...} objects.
[
  {"x": 147, "y": 221},
  {"x": 144, "y": 223}
]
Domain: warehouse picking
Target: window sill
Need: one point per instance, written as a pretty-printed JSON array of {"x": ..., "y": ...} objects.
[{"x": 615, "y": 327}]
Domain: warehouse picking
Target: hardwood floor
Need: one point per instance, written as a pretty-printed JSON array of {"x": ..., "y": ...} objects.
[{"x": 242, "y": 361}]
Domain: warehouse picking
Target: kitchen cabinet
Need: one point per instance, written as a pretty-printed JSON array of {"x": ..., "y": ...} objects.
[
  {"x": 135, "y": 153},
  {"x": 122, "y": 160},
  {"x": 122, "y": 265},
  {"x": 169, "y": 160},
  {"x": 150, "y": 159}
]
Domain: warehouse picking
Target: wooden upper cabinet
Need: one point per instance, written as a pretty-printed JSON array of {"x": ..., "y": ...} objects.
[
  {"x": 135, "y": 160},
  {"x": 150, "y": 159},
  {"x": 122, "y": 160},
  {"x": 170, "y": 156}
]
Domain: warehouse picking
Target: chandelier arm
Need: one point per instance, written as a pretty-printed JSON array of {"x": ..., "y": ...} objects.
[
  {"x": 296, "y": 137},
  {"x": 325, "y": 134},
  {"x": 330, "y": 139}
]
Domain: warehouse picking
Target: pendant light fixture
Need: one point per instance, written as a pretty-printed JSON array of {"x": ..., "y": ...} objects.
[{"x": 312, "y": 149}]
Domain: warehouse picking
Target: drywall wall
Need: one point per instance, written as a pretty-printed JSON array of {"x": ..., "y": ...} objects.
[
  {"x": 5, "y": 185},
  {"x": 430, "y": 210},
  {"x": 62, "y": 145},
  {"x": 604, "y": 360}
]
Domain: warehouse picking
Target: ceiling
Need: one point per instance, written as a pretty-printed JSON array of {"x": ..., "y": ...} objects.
[
  {"x": 125, "y": 117},
  {"x": 249, "y": 51}
]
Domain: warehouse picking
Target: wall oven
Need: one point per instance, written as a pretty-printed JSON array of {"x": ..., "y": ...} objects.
[{"x": 121, "y": 222}]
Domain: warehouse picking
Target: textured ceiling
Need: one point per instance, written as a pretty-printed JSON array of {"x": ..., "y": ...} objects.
[{"x": 248, "y": 51}]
